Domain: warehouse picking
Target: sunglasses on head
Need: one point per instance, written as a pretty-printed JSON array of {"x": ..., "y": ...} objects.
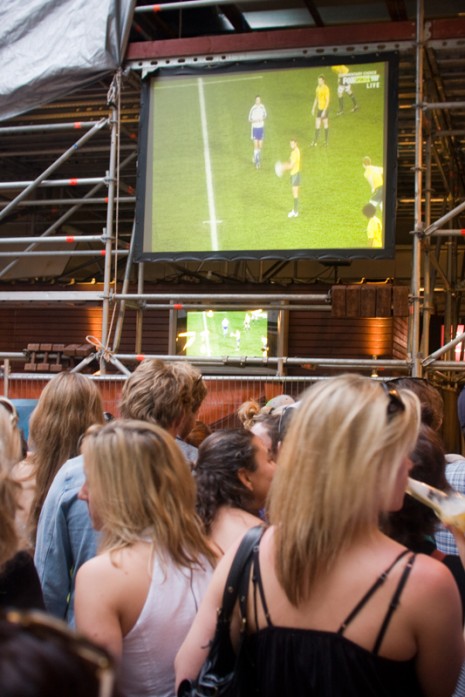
[
  {"x": 47, "y": 628},
  {"x": 395, "y": 404},
  {"x": 284, "y": 418}
]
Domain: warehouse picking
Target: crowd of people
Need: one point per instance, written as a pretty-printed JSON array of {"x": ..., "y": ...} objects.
[{"x": 117, "y": 537}]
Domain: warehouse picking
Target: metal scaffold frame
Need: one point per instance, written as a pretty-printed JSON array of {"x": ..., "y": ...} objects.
[{"x": 425, "y": 258}]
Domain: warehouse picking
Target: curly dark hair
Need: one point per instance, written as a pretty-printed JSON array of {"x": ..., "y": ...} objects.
[
  {"x": 221, "y": 455},
  {"x": 415, "y": 521}
]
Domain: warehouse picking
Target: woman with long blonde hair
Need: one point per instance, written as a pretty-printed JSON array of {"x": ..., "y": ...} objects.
[
  {"x": 67, "y": 406},
  {"x": 341, "y": 610},
  {"x": 139, "y": 596},
  {"x": 10, "y": 452},
  {"x": 19, "y": 582}
]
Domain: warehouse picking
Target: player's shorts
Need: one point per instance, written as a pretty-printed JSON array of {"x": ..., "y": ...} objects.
[
  {"x": 377, "y": 196},
  {"x": 295, "y": 179},
  {"x": 341, "y": 88},
  {"x": 258, "y": 132},
  {"x": 319, "y": 113}
]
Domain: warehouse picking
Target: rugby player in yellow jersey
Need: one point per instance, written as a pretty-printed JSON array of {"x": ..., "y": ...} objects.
[
  {"x": 343, "y": 87},
  {"x": 374, "y": 227},
  {"x": 293, "y": 166},
  {"x": 375, "y": 178},
  {"x": 320, "y": 109}
]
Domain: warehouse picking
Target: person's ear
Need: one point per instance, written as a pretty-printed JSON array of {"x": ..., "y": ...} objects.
[{"x": 243, "y": 475}]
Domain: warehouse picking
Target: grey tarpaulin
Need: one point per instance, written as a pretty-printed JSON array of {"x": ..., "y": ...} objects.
[{"x": 50, "y": 47}]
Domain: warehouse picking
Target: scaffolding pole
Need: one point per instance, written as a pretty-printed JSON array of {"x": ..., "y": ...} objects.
[
  {"x": 71, "y": 201},
  {"x": 70, "y": 253},
  {"x": 81, "y": 181},
  {"x": 212, "y": 299},
  {"x": 445, "y": 219},
  {"x": 113, "y": 98},
  {"x": 426, "y": 245},
  {"x": 51, "y": 240},
  {"x": 416, "y": 261},
  {"x": 122, "y": 304},
  {"x": 182, "y": 5},
  {"x": 66, "y": 126}
]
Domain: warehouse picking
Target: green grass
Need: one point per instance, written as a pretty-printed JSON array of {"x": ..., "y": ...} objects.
[
  {"x": 205, "y": 337},
  {"x": 251, "y": 205}
]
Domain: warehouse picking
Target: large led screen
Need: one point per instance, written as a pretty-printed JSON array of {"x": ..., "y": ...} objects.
[{"x": 268, "y": 160}]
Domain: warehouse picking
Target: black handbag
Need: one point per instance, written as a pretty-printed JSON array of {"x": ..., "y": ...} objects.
[{"x": 221, "y": 672}]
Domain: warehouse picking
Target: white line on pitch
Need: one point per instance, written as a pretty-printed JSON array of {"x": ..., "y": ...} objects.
[
  {"x": 208, "y": 170},
  {"x": 206, "y": 334}
]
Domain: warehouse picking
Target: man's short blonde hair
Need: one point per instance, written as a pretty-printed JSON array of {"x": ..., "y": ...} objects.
[{"x": 162, "y": 392}]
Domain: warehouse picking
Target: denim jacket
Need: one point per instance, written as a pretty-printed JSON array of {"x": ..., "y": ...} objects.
[{"x": 65, "y": 539}]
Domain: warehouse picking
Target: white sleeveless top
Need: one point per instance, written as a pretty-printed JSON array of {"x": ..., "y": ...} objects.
[{"x": 149, "y": 649}]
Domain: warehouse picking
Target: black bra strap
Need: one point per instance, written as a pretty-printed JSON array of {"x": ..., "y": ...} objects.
[
  {"x": 257, "y": 582},
  {"x": 379, "y": 582},
  {"x": 394, "y": 603}
]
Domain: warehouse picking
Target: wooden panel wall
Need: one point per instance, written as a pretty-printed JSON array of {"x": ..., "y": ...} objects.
[
  {"x": 71, "y": 324},
  {"x": 321, "y": 335},
  {"x": 311, "y": 334}
]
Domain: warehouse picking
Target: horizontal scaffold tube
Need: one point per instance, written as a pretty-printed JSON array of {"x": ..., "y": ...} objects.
[{"x": 226, "y": 297}]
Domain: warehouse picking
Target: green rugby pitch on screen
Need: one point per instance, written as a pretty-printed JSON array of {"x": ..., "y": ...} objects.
[
  {"x": 208, "y": 190},
  {"x": 219, "y": 333}
]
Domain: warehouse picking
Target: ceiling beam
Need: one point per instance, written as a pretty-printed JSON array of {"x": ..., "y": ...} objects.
[
  {"x": 447, "y": 28},
  {"x": 372, "y": 33},
  {"x": 276, "y": 40}
]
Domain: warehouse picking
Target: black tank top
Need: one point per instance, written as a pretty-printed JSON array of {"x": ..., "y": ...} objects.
[{"x": 284, "y": 661}]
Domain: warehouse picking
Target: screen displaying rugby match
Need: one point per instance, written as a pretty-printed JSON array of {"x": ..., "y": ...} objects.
[
  {"x": 216, "y": 333},
  {"x": 268, "y": 160}
]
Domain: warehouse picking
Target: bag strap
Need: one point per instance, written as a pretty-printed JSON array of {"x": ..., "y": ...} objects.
[{"x": 241, "y": 560}]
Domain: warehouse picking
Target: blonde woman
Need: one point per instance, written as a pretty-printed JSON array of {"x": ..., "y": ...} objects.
[
  {"x": 139, "y": 596},
  {"x": 19, "y": 582},
  {"x": 67, "y": 406},
  {"x": 341, "y": 609},
  {"x": 10, "y": 452}
]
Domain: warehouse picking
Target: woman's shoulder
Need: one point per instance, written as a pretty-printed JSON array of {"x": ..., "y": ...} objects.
[
  {"x": 432, "y": 582},
  {"x": 431, "y": 569},
  {"x": 424, "y": 573},
  {"x": 238, "y": 518},
  {"x": 97, "y": 566},
  {"x": 115, "y": 576},
  {"x": 230, "y": 525}
]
